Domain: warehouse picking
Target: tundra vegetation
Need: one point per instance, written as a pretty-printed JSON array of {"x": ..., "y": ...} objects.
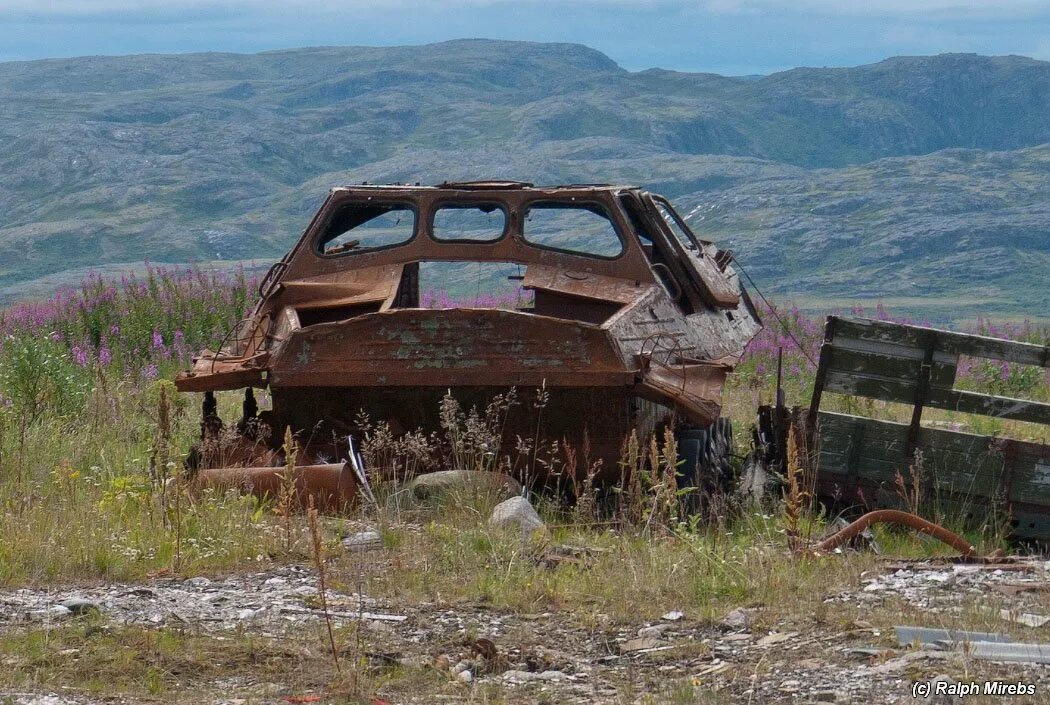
[{"x": 93, "y": 436}]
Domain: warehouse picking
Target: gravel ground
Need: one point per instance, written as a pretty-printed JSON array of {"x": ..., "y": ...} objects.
[{"x": 751, "y": 656}]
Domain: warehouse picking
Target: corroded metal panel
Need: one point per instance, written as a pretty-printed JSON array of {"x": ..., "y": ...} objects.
[{"x": 418, "y": 347}]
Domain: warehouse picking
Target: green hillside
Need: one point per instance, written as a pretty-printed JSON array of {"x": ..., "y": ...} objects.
[{"x": 912, "y": 178}]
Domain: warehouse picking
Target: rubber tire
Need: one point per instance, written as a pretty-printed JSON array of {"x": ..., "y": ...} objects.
[{"x": 705, "y": 459}]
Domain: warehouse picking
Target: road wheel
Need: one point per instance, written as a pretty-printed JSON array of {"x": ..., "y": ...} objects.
[{"x": 705, "y": 461}]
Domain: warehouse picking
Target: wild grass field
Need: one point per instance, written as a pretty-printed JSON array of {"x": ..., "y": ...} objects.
[{"x": 92, "y": 439}]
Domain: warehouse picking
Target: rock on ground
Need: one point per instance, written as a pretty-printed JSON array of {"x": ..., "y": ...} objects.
[
  {"x": 434, "y": 484},
  {"x": 516, "y": 513}
]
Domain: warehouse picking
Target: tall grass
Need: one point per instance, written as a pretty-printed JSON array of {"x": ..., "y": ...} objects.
[{"x": 81, "y": 380}]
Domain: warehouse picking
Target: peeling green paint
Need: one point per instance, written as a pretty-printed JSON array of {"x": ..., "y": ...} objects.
[{"x": 304, "y": 356}]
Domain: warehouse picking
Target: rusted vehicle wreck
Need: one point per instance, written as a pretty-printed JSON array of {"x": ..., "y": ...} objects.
[{"x": 621, "y": 314}]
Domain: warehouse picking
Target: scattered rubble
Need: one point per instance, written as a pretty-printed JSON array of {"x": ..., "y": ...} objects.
[
  {"x": 268, "y": 601},
  {"x": 739, "y": 618},
  {"x": 571, "y": 659}
]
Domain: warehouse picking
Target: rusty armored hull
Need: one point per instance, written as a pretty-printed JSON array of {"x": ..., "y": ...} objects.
[{"x": 624, "y": 316}]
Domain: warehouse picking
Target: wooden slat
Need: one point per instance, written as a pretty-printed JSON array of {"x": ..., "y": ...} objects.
[
  {"x": 943, "y": 471},
  {"x": 1031, "y": 525},
  {"x": 872, "y": 387},
  {"x": 894, "y": 390},
  {"x": 891, "y": 434},
  {"x": 1031, "y": 482},
  {"x": 876, "y": 347},
  {"x": 988, "y": 405},
  {"x": 960, "y": 462},
  {"x": 842, "y": 463},
  {"x": 947, "y": 341},
  {"x": 881, "y": 366}
]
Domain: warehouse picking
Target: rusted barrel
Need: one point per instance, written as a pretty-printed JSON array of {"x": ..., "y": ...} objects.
[{"x": 333, "y": 486}]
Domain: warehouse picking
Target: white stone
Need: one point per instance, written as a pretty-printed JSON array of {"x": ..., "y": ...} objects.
[{"x": 516, "y": 513}]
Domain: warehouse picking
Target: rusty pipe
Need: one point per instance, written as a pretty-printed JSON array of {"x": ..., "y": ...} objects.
[
  {"x": 332, "y": 486},
  {"x": 894, "y": 516}
]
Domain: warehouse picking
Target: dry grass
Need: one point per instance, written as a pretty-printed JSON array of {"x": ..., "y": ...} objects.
[
  {"x": 170, "y": 664},
  {"x": 87, "y": 508}
]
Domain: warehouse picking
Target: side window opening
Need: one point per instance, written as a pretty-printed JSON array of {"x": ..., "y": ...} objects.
[
  {"x": 361, "y": 227},
  {"x": 577, "y": 228},
  {"x": 675, "y": 224},
  {"x": 473, "y": 222},
  {"x": 654, "y": 249}
]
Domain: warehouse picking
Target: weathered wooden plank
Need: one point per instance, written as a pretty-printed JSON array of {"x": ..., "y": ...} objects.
[
  {"x": 985, "y": 481},
  {"x": 892, "y": 435},
  {"x": 866, "y": 466},
  {"x": 1030, "y": 482},
  {"x": 1030, "y": 525},
  {"x": 951, "y": 476},
  {"x": 848, "y": 444},
  {"x": 1023, "y": 452},
  {"x": 876, "y": 347},
  {"x": 946, "y": 341},
  {"x": 963, "y": 463},
  {"x": 881, "y": 366},
  {"x": 958, "y": 441},
  {"x": 988, "y": 405},
  {"x": 884, "y": 388},
  {"x": 895, "y": 390}
]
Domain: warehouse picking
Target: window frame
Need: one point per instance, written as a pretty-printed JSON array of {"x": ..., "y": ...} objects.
[
  {"x": 319, "y": 242},
  {"x": 597, "y": 207}
]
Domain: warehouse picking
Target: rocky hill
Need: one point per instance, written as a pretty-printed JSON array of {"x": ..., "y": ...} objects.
[{"x": 913, "y": 178}]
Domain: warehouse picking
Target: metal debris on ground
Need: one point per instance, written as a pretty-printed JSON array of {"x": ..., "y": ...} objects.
[
  {"x": 1025, "y": 618},
  {"x": 897, "y": 517},
  {"x": 363, "y": 541},
  {"x": 979, "y": 645}
]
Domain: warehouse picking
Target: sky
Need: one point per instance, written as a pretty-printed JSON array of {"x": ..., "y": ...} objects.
[{"x": 733, "y": 37}]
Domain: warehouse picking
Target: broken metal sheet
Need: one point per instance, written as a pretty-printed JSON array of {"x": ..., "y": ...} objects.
[
  {"x": 1025, "y": 618},
  {"x": 583, "y": 284},
  {"x": 1013, "y": 652},
  {"x": 694, "y": 388},
  {"x": 421, "y": 347},
  {"x": 907, "y": 635}
]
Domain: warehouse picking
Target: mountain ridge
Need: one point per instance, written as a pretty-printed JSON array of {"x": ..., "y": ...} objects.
[{"x": 224, "y": 156}]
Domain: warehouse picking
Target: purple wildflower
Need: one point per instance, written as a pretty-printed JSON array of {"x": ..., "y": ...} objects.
[{"x": 80, "y": 356}]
